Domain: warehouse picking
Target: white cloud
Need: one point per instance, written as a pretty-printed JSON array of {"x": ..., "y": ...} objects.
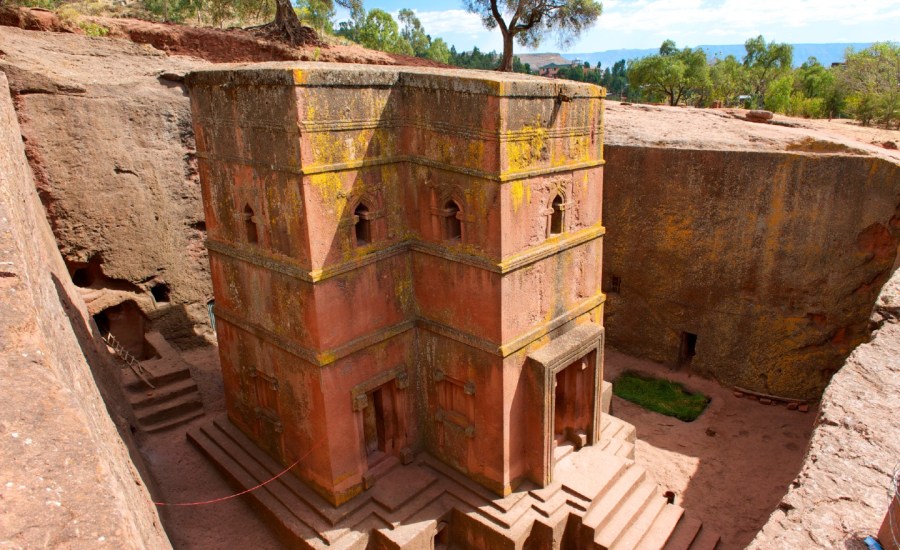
[
  {"x": 740, "y": 15},
  {"x": 457, "y": 21},
  {"x": 645, "y": 23}
]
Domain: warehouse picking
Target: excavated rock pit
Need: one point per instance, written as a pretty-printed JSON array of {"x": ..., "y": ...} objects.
[
  {"x": 693, "y": 198},
  {"x": 749, "y": 253}
]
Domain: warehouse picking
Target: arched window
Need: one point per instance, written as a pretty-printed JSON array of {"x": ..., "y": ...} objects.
[
  {"x": 250, "y": 225},
  {"x": 452, "y": 223},
  {"x": 556, "y": 217},
  {"x": 362, "y": 225}
]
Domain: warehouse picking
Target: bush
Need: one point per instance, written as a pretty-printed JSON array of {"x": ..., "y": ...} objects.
[{"x": 93, "y": 29}]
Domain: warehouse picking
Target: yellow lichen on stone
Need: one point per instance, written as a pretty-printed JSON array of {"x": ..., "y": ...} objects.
[
  {"x": 523, "y": 154},
  {"x": 404, "y": 292},
  {"x": 519, "y": 192},
  {"x": 329, "y": 187}
]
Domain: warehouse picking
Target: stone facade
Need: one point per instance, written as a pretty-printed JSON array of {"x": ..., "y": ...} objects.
[{"x": 404, "y": 259}]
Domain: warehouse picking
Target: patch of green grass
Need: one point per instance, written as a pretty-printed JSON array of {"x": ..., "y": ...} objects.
[{"x": 662, "y": 396}]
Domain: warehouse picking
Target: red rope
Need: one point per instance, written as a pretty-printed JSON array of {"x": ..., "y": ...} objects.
[{"x": 244, "y": 492}]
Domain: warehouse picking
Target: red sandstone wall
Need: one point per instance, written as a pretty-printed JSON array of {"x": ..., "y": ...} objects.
[
  {"x": 69, "y": 481},
  {"x": 779, "y": 256}
]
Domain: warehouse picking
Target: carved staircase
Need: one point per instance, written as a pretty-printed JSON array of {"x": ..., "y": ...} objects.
[
  {"x": 616, "y": 505},
  {"x": 171, "y": 398}
]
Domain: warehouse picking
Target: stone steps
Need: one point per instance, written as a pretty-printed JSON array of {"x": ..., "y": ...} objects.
[
  {"x": 150, "y": 397},
  {"x": 174, "y": 398},
  {"x": 691, "y": 534},
  {"x": 168, "y": 413},
  {"x": 661, "y": 529},
  {"x": 246, "y": 466},
  {"x": 637, "y": 526},
  {"x": 619, "y": 506}
]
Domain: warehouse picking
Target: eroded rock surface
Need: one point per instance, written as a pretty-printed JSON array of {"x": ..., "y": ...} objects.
[
  {"x": 66, "y": 479},
  {"x": 109, "y": 139},
  {"x": 745, "y": 252},
  {"x": 841, "y": 494}
]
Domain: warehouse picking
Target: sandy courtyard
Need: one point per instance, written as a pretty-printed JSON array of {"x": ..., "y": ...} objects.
[{"x": 731, "y": 466}]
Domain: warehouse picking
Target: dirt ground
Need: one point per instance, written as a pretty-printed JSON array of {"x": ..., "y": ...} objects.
[
  {"x": 182, "y": 474},
  {"x": 730, "y": 467}
]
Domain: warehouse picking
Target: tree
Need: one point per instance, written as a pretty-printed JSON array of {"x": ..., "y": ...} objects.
[
  {"x": 527, "y": 21},
  {"x": 813, "y": 79},
  {"x": 437, "y": 51},
  {"x": 319, "y": 14},
  {"x": 413, "y": 32},
  {"x": 726, "y": 79},
  {"x": 615, "y": 80},
  {"x": 673, "y": 73},
  {"x": 380, "y": 32},
  {"x": 765, "y": 63},
  {"x": 286, "y": 23},
  {"x": 871, "y": 79}
]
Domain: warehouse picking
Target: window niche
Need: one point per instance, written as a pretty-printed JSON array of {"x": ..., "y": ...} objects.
[
  {"x": 452, "y": 215},
  {"x": 362, "y": 225},
  {"x": 556, "y": 216},
  {"x": 250, "y": 229}
]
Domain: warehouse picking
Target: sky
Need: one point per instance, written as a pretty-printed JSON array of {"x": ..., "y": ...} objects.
[{"x": 646, "y": 23}]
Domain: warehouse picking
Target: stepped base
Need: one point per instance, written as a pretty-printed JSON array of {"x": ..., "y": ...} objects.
[{"x": 599, "y": 499}]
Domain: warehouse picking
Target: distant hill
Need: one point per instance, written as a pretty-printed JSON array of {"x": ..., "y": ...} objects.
[
  {"x": 825, "y": 53},
  {"x": 541, "y": 59}
]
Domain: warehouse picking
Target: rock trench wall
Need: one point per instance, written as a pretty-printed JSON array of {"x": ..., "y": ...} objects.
[
  {"x": 841, "y": 493},
  {"x": 68, "y": 479},
  {"x": 773, "y": 260},
  {"x": 107, "y": 131}
]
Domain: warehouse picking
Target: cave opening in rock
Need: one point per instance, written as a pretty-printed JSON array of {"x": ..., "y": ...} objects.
[
  {"x": 615, "y": 284},
  {"x": 160, "y": 292},
  {"x": 687, "y": 350},
  {"x": 86, "y": 274},
  {"x": 127, "y": 324},
  {"x": 90, "y": 275}
]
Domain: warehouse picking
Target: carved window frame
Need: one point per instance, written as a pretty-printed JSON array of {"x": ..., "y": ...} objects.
[
  {"x": 549, "y": 211},
  {"x": 373, "y": 216}
]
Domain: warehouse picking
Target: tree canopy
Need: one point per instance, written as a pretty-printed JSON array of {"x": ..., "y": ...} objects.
[
  {"x": 528, "y": 21},
  {"x": 871, "y": 78},
  {"x": 380, "y": 32},
  {"x": 673, "y": 73},
  {"x": 765, "y": 63}
]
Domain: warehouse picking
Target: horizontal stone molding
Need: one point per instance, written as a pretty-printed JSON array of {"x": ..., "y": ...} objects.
[
  {"x": 326, "y": 357},
  {"x": 290, "y": 267},
  {"x": 542, "y": 330},
  {"x": 315, "y": 358},
  {"x": 498, "y": 177}
]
